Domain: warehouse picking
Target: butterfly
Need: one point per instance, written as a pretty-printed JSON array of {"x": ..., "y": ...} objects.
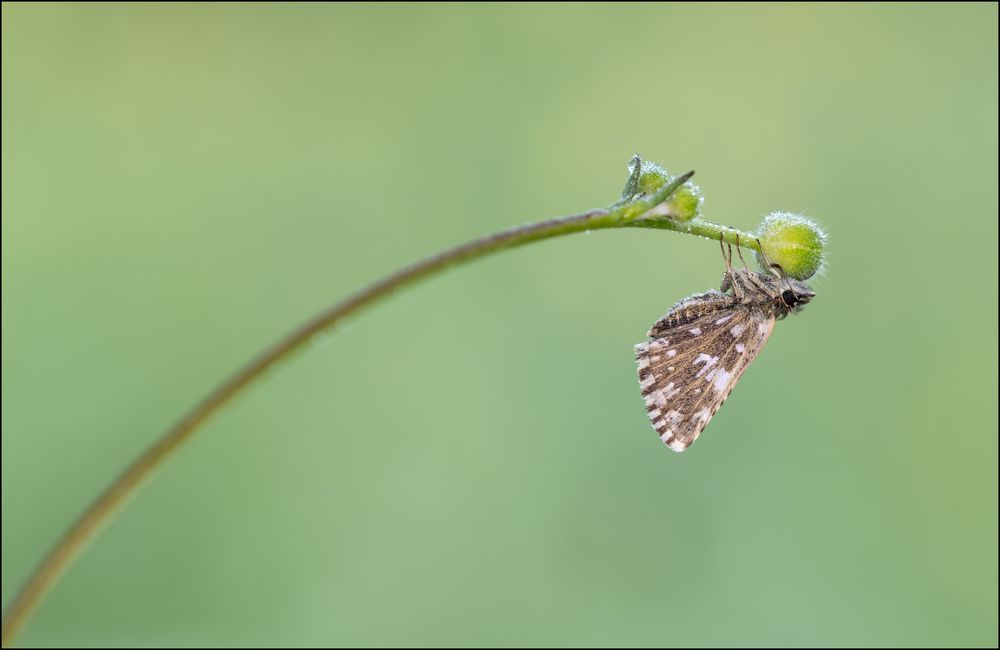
[{"x": 701, "y": 347}]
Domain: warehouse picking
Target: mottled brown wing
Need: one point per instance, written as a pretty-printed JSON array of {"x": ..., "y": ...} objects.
[{"x": 688, "y": 371}]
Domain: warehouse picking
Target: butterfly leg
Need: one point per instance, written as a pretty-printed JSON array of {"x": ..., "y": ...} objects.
[
  {"x": 739, "y": 251},
  {"x": 729, "y": 280},
  {"x": 773, "y": 268},
  {"x": 727, "y": 259},
  {"x": 751, "y": 277}
]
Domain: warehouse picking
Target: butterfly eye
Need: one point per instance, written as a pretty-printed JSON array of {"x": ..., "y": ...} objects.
[{"x": 789, "y": 297}]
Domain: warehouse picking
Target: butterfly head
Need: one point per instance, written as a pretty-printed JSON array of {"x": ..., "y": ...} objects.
[{"x": 794, "y": 296}]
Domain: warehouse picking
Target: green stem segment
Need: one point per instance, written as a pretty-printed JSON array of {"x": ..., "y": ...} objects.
[
  {"x": 700, "y": 228},
  {"x": 69, "y": 546}
]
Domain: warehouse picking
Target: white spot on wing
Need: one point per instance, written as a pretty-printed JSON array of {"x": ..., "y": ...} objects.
[
  {"x": 677, "y": 445},
  {"x": 723, "y": 319},
  {"x": 695, "y": 331},
  {"x": 703, "y": 416},
  {"x": 671, "y": 353},
  {"x": 661, "y": 396},
  {"x": 740, "y": 348},
  {"x": 706, "y": 359},
  {"x": 721, "y": 379},
  {"x": 736, "y": 330}
]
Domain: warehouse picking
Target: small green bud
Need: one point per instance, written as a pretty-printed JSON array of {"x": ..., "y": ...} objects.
[
  {"x": 684, "y": 204},
  {"x": 652, "y": 177},
  {"x": 794, "y": 242}
]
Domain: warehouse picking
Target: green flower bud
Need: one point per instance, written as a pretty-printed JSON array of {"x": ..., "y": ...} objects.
[
  {"x": 794, "y": 242},
  {"x": 652, "y": 177},
  {"x": 684, "y": 204}
]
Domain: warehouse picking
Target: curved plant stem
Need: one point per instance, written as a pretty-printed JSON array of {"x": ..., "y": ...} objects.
[{"x": 60, "y": 557}]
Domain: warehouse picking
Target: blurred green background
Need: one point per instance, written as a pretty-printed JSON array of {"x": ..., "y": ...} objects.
[{"x": 470, "y": 462}]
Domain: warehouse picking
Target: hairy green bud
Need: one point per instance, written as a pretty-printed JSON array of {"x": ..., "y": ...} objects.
[
  {"x": 794, "y": 242},
  {"x": 683, "y": 205}
]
